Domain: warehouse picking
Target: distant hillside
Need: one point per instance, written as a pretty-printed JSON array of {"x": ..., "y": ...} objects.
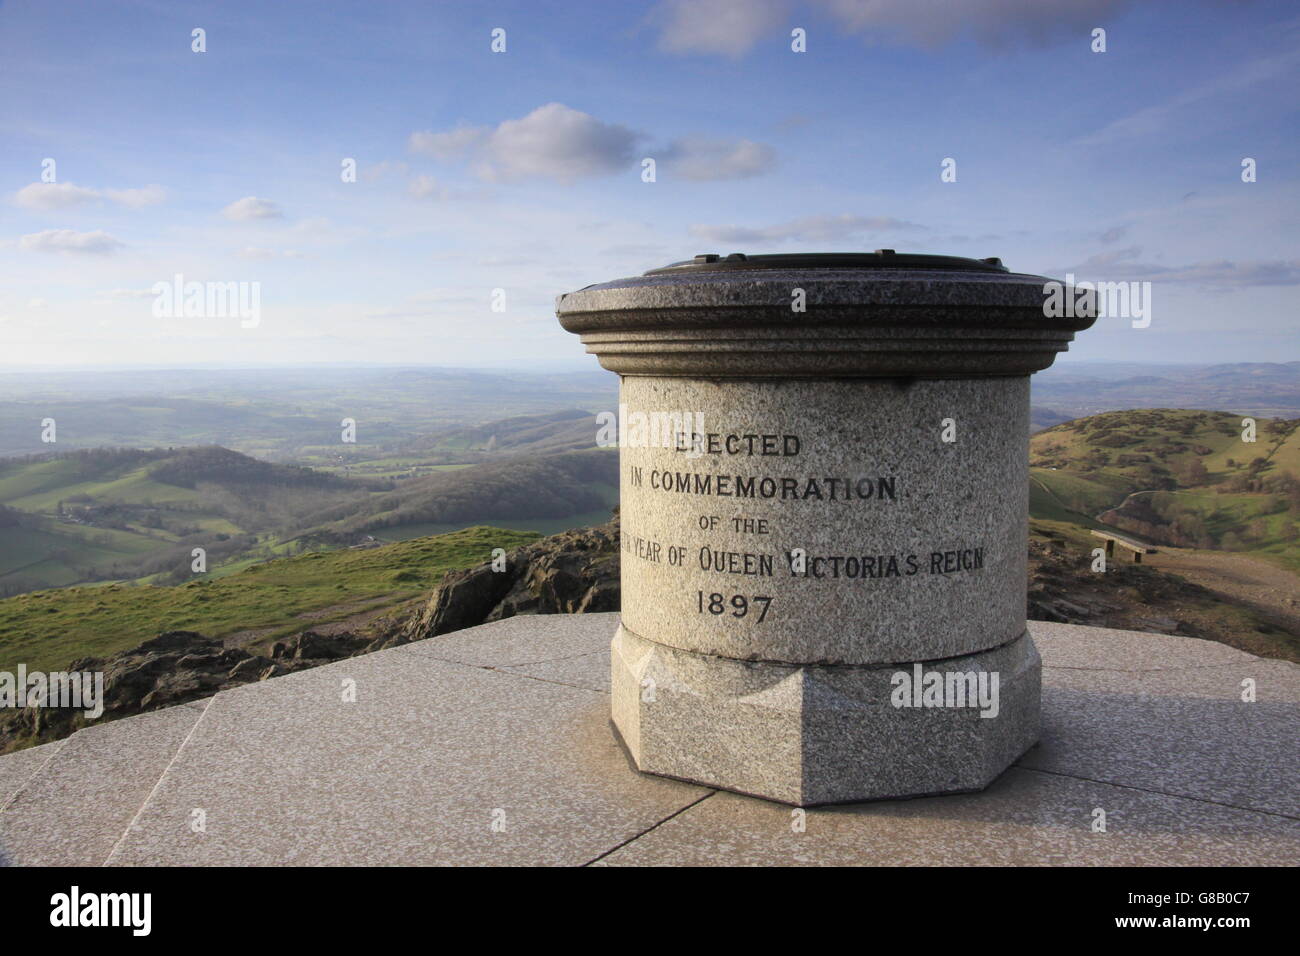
[
  {"x": 114, "y": 513},
  {"x": 133, "y": 514},
  {"x": 1076, "y": 389},
  {"x": 570, "y": 429},
  {"x": 189, "y": 467},
  {"x": 1040, "y": 418},
  {"x": 1176, "y": 477},
  {"x": 495, "y": 492}
]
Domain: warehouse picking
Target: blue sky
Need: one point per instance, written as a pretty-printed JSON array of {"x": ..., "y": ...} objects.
[{"x": 522, "y": 170}]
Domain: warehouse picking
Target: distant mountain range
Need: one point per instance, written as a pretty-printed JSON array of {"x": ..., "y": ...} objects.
[
  {"x": 1073, "y": 390},
  {"x": 290, "y": 415},
  {"x": 433, "y": 415}
]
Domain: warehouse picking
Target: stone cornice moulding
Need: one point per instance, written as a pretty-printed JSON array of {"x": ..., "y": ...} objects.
[{"x": 859, "y": 322}]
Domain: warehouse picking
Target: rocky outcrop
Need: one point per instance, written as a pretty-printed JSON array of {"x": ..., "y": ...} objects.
[
  {"x": 574, "y": 572},
  {"x": 568, "y": 573},
  {"x": 173, "y": 668}
]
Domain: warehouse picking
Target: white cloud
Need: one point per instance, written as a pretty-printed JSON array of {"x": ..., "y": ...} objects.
[
  {"x": 728, "y": 27},
  {"x": 426, "y": 187},
  {"x": 65, "y": 195},
  {"x": 808, "y": 229},
  {"x": 995, "y": 23},
  {"x": 128, "y": 293},
  {"x": 1123, "y": 265},
  {"x": 706, "y": 159},
  {"x": 69, "y": 240},
  {"x": 552, "y": 142},
  {"x": 150, "y": 195},
  {"x": 449, "y": 144},
  {"x": 251, "y": 208},
  {"x": 54, "y": 195},
  {"x": 260, "y": 252}
]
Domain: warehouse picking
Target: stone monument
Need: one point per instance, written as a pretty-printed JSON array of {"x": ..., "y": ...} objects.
[{"x": 824, "y": 501}]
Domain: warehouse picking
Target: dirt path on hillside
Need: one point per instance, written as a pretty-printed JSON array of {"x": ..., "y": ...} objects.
[{"x": 1272, "y": 592}]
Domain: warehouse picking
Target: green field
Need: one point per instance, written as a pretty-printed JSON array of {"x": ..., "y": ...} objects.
[
  {"x": 1173, "y": 476},
  {"x": 46, "y": 630}
]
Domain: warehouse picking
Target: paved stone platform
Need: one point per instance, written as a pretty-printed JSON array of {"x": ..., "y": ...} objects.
[{"x": 493, "y": 746}]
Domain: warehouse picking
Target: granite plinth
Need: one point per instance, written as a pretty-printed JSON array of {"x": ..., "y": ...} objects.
[
  {"x": 809, "y": 735},
  {"x": 822, "y": 466}
]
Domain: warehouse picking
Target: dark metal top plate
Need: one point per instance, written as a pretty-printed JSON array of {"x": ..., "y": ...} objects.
[{"x": 880, "y": 259}]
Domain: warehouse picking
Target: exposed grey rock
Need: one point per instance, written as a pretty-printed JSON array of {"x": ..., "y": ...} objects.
[{"x": 574, "y": 572}]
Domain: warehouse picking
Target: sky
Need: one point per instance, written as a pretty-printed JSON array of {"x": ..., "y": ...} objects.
[{"x": 487, "y": 183}]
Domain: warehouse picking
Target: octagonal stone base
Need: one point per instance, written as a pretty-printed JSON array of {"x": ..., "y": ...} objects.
[{"x": 809, "y": 734}]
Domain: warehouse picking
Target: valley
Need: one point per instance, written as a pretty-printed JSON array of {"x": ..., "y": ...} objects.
[{"x": 98, "y": 544}]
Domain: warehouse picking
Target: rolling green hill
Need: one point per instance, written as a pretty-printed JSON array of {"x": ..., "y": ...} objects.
[
  {"x": 516, "y": 488},
  {"x": 132, "y": 515},
  {"x": 116, "y": 513},
  {"x": 1176, "y": 477}
]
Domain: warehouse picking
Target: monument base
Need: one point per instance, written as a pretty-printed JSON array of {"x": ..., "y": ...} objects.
[{"x": 805, "y": 734}]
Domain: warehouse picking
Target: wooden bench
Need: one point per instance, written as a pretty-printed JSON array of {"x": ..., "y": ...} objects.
[{"x": 1137, "y": 547}]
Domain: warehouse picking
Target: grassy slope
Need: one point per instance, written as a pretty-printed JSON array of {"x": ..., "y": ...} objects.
[
  {"x": 1077, "y": 473},
  {"x": 48, "y": 629},
  {"x": 1157, "y": 433}
]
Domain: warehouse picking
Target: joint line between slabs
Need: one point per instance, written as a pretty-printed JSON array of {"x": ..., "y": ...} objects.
[
  {"x": 9, "y": 801},
  {"x": 500, "y": 669},
  {"x": 1156, "y": 793},
  {"x": 649, "y": 829},
  {"x": 158, "y": 783}
]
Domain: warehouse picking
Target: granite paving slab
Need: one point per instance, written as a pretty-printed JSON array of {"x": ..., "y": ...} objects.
[
  {"x": 433, "y": 763},
  {"x": 585, "y": 670},
  {"x": 509, "y": 757},
  {"x": 1227, "y": 751},
  {"x": 76, "y": 806},
  {"x": 524, "y": 639},
  {"x": 1275, "y": 682},
  {"x": 1024, "y": 818},
  {"x": 19, "y": 767},
  {"x": 1103, "y": 648}
]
